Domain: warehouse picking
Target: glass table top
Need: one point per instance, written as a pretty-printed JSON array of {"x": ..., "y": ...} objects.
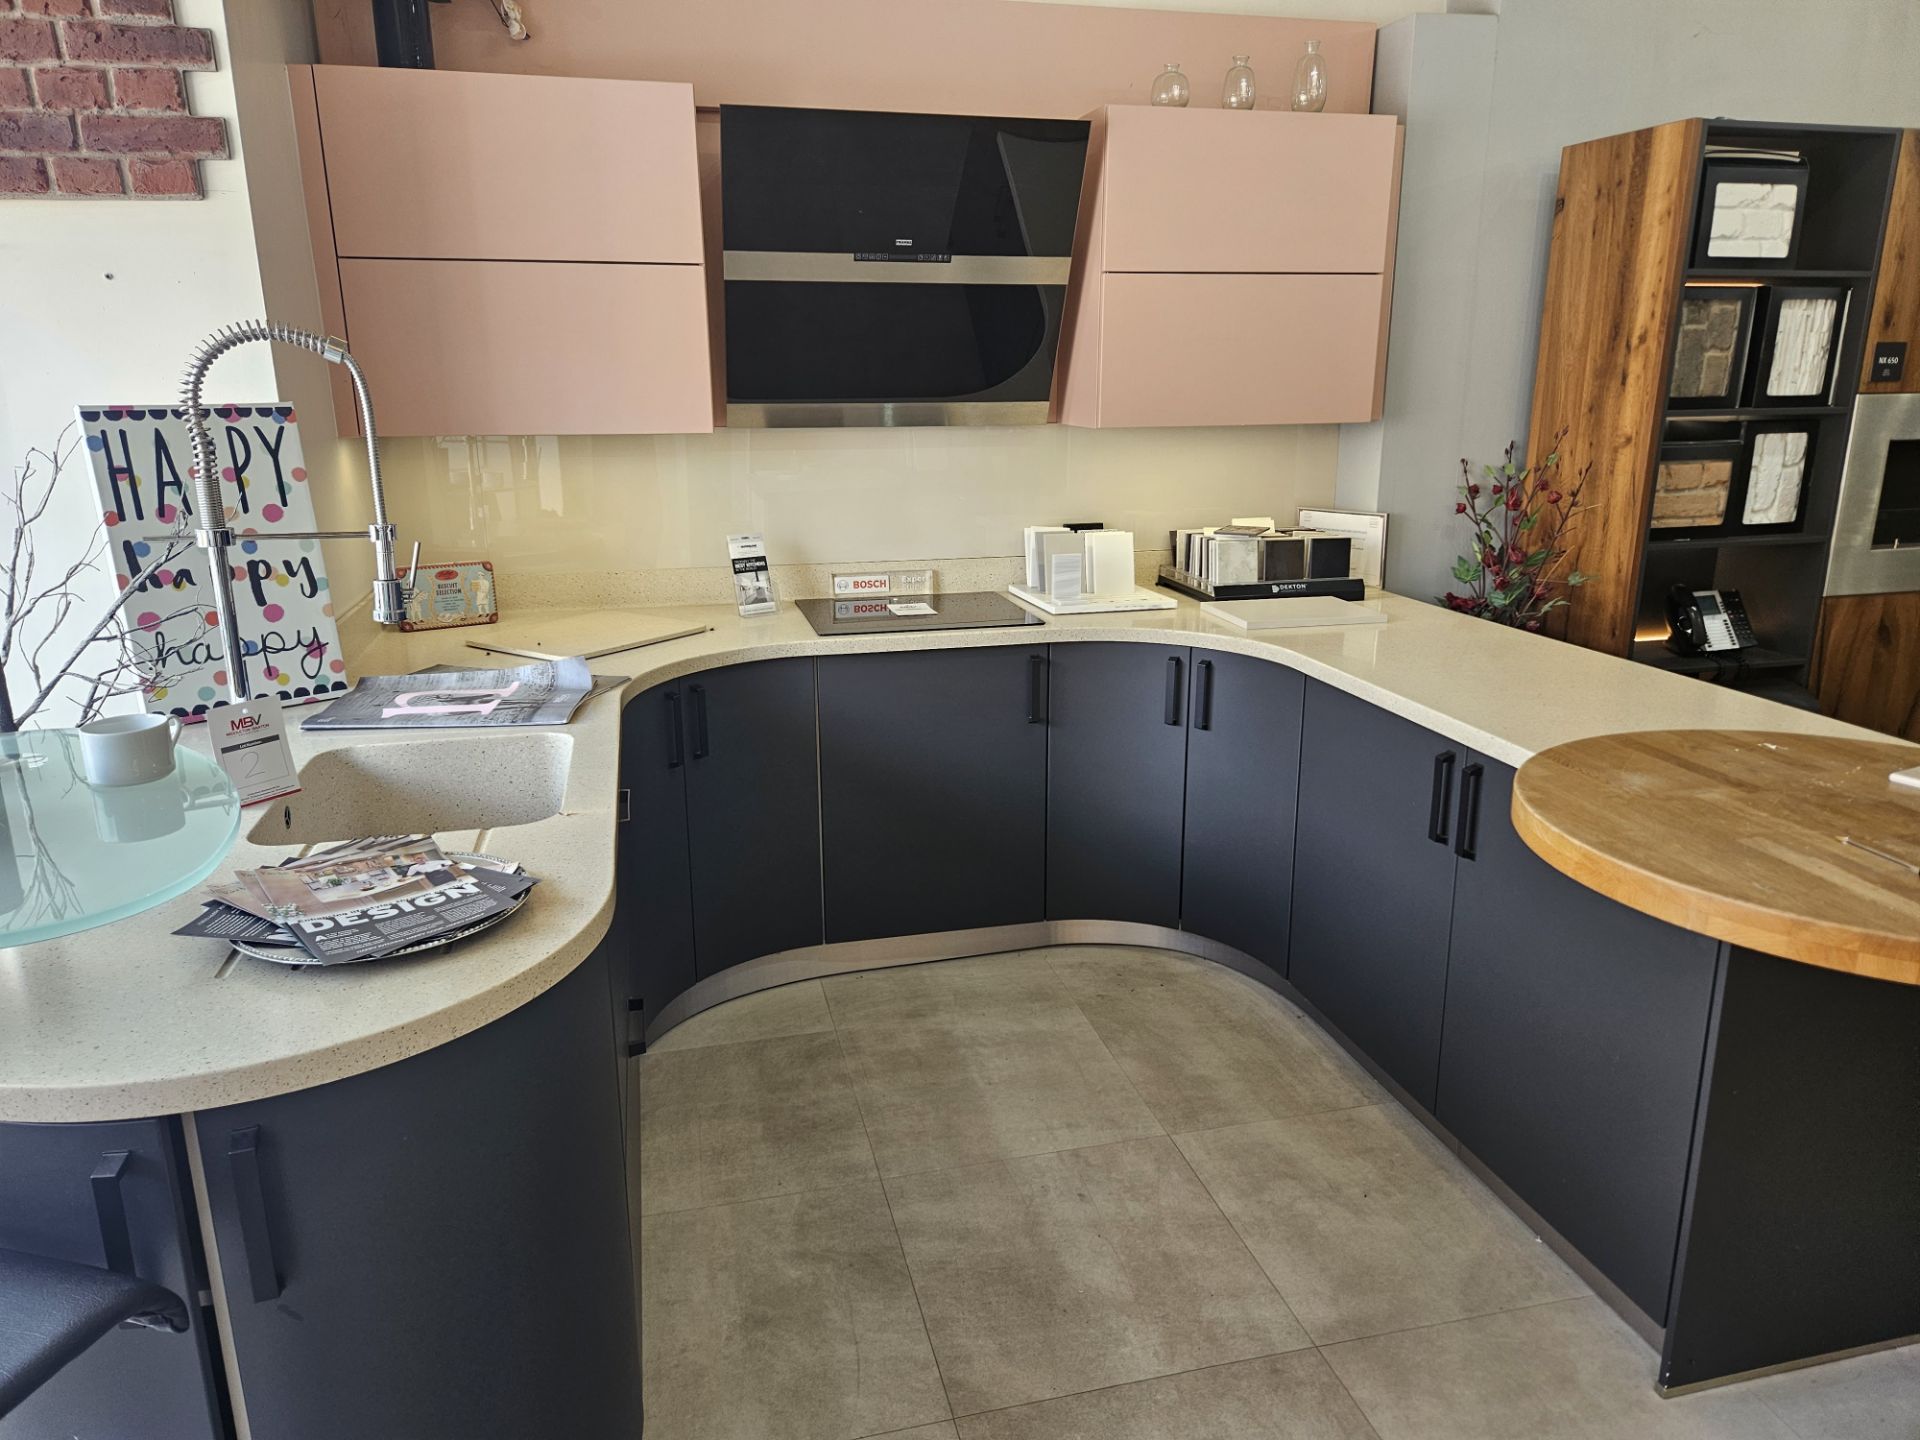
[{"x": 73, "y": 855}]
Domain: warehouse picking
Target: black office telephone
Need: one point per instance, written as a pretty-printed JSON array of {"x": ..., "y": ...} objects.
[{"x": 1706, "y": 621}]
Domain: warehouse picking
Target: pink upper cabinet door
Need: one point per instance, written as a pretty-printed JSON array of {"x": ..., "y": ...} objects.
[
  {"x": 436, "y": 164},
  {"x": 1248, "y": 191},
  {"x": 1239, "y": 350},
  {"x": 485, "y": 347}
]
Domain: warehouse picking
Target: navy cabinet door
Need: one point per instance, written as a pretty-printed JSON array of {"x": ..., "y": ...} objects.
[
  {"x": 148, "y": 1383},
  {"x": 1575, "y": 1033},
  {"x": 1373, "y": 880},
  {"x": 439, "y": 1248},
  {"x": 933, "y": 790},
  {"x": 1243, "y": 775},
  {"x": 753, "y": 810},
  {"x": 1116, "y": 782},
  {"x": 652, "y": 934}
]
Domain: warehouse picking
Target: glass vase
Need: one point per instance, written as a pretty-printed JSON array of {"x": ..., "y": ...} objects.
[
  {"x": 1310, "y": 80},
  {"x": 1237, "y": 93},
  {"x": 1171, "y": 88}
]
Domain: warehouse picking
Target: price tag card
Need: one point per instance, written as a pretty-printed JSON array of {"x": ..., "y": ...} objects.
[{"x": 250, "y": 742}]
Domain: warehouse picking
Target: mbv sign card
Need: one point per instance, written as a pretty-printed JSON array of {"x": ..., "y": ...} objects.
[
  {"x": 250, "y": 742},
  {"x": 142, "y": 463}
]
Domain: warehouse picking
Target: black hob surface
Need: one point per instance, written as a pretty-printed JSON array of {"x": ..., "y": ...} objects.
[{"x": 876, "y": 614}]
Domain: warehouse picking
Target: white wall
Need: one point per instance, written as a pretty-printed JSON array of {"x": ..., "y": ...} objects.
[{"x": 1566, "y": 71}]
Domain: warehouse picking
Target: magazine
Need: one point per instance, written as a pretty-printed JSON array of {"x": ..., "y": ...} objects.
[
  {"x": 546, "y": 692},
  {"x": 359, "y": 901}
]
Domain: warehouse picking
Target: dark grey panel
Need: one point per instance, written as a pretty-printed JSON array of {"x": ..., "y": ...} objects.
[
  {"x": 144, "y": 1383},
  {"x": 753, "y": 810},
  {"x": 933, "y": 790},
  {"x": 448, "y": 1238},
  {"x": 1372, "y": 890},
  {"x": 1802, "y": 1234},
  {"x": 1243, "y": 775},
  {"x": 1570, "y": 1061},
  {"x": 1116, "y": 782}
]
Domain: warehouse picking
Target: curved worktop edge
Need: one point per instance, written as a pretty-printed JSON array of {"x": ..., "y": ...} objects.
[{"x": 1504, "y": 693}]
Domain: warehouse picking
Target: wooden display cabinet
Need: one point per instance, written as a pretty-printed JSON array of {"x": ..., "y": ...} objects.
[{"x": 1658, "y": 359}]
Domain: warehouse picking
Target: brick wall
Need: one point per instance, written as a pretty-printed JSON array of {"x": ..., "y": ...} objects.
[{"x": 93, "y": 101}]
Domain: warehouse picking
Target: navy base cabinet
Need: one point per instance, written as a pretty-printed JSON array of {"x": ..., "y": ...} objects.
[
  {"x": 438, "y": 1249},
  {"x": 1116, "y": 782},
  {"x": 1243, "y": 775},
  {"x": 651, "y": 939},
  {"x": 1570, "y": 1062},
  {"x": 753, "y": 811},
  {"x": 933, "y": 790},
  {"x": 131, "y": 1382},
  {"x": 1373, "y": 880}
]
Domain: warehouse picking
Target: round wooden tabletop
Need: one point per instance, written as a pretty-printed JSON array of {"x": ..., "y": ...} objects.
[{"x": 1796, "y": 845}]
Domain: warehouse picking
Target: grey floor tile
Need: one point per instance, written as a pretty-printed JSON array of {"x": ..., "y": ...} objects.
[
  {"x": 1870, "y": 1397},
  {"x": 1281, "y": 1397},
  {"x": 722, "y": 1123},
  {"x": 1059, "y": 1273},
  {"x": 943, "y": 1431},
  {"x": 1366, "y": 1224},
  {"x": 791, "y": 1318},
  {"x": 1564, "y": 1371},
  {"x": 1206, "y": 1047},
  {"x": 978, "y": 1060},
  {"x": 798, "y": 1009},
  {"x": 947, "y": 991}
]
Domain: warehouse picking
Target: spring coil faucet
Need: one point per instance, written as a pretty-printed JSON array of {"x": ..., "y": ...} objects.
[{"x": 215, "y": 536}]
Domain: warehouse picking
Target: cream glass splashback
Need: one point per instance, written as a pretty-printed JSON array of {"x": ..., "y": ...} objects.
[{"x": 642, "y": 502}]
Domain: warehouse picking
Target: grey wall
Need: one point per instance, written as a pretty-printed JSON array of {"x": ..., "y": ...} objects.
[{"x": 1474, "y": 236}]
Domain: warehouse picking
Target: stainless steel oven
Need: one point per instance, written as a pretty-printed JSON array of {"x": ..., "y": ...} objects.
[{"x": 1876, "y": 531}]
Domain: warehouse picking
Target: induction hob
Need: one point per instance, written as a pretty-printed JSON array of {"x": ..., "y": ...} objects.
[{"x": 878, "y": 614}]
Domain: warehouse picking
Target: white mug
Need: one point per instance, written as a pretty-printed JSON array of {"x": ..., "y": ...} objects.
[{"x": 128, "y": 749}]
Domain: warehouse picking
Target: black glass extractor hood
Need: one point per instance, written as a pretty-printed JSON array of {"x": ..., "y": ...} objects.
[{"x": 893, "y": 269}]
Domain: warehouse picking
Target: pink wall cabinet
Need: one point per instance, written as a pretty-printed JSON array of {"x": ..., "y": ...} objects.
[
  {"x": 496, "y": 261},
  {"x": 1231, "y": 268}
]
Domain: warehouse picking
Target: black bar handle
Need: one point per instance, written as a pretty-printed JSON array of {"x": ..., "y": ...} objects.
[
  {"x": 698, "y": 694},
  {"x": 256, "y": 1235},
  {"x": 1036, "y": 690},
  {"x": 676, "y": 733},
  {"x": 1203, "y": 709},
  {"x": 1173, "y": 690},
  {"x": 1467, "y": 830},
  {"x": 110, "y": 1206},
  {"x": 1442, "y": 797}
]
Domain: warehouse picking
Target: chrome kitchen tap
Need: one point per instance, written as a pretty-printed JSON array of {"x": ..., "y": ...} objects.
[{"x": 212, "y": 532}]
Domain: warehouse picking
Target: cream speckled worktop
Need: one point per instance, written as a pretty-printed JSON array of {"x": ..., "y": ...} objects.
[{"x": 129, "y": 1020}]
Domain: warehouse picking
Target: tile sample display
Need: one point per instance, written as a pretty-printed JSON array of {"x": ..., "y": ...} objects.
[
  {"x": 1753, "y": 220},
  {"x": 1710, "y": 344},
  {"x": 1691, "y": 492},
  {"x": 1774, "y": 478},
  {"x": 1803, "y": 329}
]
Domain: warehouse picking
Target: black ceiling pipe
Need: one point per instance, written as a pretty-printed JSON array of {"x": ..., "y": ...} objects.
[{"x": 403, "y": 34}]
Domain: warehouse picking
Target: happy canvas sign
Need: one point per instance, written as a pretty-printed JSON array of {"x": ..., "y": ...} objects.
[{"x": 142, "y": 467}]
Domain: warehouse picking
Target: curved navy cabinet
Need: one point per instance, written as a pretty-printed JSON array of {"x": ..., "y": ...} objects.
[
  {"x": 1366, "y": 868},
  {"x": 439, "y": 1248}
]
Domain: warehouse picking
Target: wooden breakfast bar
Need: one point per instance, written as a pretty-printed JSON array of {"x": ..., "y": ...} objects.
[{"x": 1800, "y": 1234}]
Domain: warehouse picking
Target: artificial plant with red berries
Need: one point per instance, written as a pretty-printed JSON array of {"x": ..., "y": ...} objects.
[{"x": 1520, "y": 516}]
